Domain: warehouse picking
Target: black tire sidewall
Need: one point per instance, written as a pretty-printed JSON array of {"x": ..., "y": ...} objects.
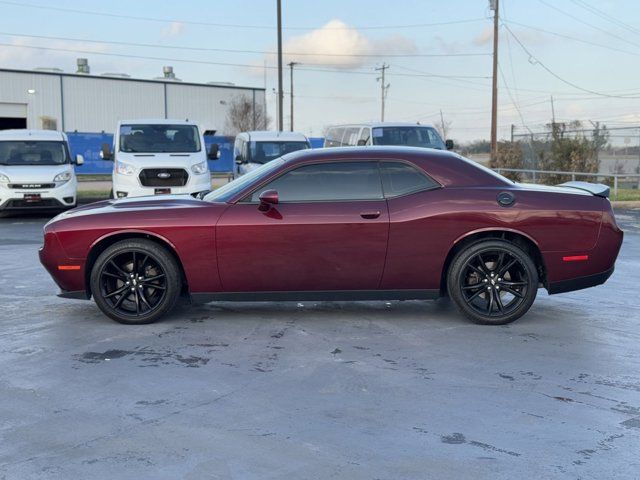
[
  {"x": 166, "y": 262},
  {"x": 456, "y": 270}
]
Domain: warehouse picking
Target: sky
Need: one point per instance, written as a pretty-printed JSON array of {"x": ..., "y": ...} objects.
[{"x": 583, "y": 53}]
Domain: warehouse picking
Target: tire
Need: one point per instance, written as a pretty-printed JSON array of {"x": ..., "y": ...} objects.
[
  {"x": 493, "y": 282},
  {"x": 139, "y": 299}
]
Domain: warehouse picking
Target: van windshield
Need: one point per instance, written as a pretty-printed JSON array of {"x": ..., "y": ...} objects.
[
  {"x": 33, "y": 153},
  {"x": 164, "y": 138},
  {"x": 263, "y": 152},
  {"x": 409, "y": 136}
]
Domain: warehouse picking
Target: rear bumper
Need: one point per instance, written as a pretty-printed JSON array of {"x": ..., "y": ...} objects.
[{"x": 579, "y": 283}]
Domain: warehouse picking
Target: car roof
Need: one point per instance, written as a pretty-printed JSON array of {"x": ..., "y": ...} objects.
[
  {"x": 267, "y": 136},
  {"x": 369, "y": 152},
  {"x": 157, "y": 121},
  {"x": 383, "y": 124},
  {"x": 25, "y": 134}
]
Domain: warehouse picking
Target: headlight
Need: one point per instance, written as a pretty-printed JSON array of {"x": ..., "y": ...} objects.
[
  {"x": 199, "y": 168},
  {"x": 4, "y": 178},
  {"x": 124, "y": 168},
  {"x": 63, "y": 177}
]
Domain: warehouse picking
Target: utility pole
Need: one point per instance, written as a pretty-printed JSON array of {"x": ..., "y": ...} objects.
[
  {"x": 384, "y": 88},
  {"x": 553, "y": 113},
  {"x": 494, "y": 5},
  {"x": 280, "y": 122},
  {"x": 291, "y": 65}
]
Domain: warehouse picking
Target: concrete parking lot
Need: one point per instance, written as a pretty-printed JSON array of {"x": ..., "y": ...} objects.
[{"x": 374, "y": 390}]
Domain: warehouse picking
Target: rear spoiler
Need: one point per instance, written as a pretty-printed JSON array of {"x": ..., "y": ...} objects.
[{"x": 597, "y": 189}]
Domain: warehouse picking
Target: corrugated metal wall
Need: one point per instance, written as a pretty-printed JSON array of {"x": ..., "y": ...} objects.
[
  {"x": 43, "y": 102},
  {"x": 95, "y": 104}
]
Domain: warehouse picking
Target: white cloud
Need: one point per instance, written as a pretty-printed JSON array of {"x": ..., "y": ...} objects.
[
  {"x": 174, "y": 29},
  {"x": 335, "y": 40}
]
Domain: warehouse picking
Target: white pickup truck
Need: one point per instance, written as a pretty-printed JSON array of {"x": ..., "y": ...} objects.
[
  {"x": 153, "y": 157},
  {"x": 37, "y": 171}
]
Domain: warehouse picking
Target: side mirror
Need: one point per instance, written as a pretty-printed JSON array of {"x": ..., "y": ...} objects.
[
  {"x": 214, "y": 152},
  {"x": 362, "y": 142},
  {"x": 239, "y": 160},
  {"x": 79, "y": 160},
  {"x": 105, "y": 152},
  {"x": 268, "y": 198},
  {"x": 448, "y": 144}
]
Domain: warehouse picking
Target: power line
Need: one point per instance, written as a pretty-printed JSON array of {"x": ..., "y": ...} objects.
[
  {"x": 226, "y": 25},
  {"x": 599, "y": 13},
  {"x": 535, "y": 61},
  {"x": 568, "y": 37},
  {"x": 261, "y": 52}
]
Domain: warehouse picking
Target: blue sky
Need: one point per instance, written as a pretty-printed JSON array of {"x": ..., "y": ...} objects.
[{"x": 595, "y": 52}]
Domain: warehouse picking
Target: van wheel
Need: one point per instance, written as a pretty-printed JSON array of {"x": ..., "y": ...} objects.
[
  {"x": 135, "y": 281},
  {"x": 493, "y": 282}
]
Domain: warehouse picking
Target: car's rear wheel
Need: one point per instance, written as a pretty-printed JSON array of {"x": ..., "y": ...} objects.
[
  {"x": 493, "y": 282},
  {"x": 135, "y": 281}
]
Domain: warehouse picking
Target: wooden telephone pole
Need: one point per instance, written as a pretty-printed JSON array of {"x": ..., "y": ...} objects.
[
  {"x": 494, "y": 5},
  {"x": 291, "y": 65},
  {"x": 384, "y": 88}
]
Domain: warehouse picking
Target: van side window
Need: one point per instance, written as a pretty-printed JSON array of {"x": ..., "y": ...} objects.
[
  {"x": 365, "y": 135},
  {"x": 401, "y": 179}
]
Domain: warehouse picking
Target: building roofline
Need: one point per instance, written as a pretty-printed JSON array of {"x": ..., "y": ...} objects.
[{"x": 129, "y": 79}]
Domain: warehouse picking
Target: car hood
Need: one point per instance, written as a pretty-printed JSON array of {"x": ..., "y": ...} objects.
[
  {"x": 33, "y": 173},
  {"x": 150, "y": 205}
]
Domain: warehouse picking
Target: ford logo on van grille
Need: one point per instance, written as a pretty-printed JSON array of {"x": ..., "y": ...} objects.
[{"x": 164, "y": 175}]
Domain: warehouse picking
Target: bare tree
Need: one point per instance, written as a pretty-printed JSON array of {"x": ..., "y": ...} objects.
[
  {"x": 444, "y": 127},
  {"x": 241, "y": 116}
]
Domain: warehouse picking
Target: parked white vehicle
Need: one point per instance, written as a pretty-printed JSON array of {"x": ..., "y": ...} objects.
[
  {"x": 252, "y": 149},
  {"x": 153, "y": 157},
  {"x": 37, "y": 171},
  {"x": 386, "y": 133}
]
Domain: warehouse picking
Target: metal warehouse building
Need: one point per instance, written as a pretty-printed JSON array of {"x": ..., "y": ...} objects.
[{"x": 52, "y": 99}]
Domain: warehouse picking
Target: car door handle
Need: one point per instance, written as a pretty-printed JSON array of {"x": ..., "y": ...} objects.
[{"x": 370, "y": 214}]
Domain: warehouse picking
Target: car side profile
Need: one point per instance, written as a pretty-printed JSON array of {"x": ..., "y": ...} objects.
[{"x": 340, "y": 224}]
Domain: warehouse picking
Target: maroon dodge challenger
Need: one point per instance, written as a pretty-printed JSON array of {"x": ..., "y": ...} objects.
[{"x": 340, "y": 224}]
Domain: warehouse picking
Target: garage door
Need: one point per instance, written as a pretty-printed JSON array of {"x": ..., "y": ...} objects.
[{"x": 13, "y": 115}]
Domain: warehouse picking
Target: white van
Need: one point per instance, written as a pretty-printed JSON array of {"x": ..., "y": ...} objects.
[
  {"x": 252, "y": 149},
  {"x": 159, "y": 156},
  {"x": 386, "y": 133},
  {"x": 37, "y": 171}
]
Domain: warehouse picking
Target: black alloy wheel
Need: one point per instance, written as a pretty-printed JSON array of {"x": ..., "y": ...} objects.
[
  {"x": 493, "y": 282},
  {"x": 135, "y": 281}
]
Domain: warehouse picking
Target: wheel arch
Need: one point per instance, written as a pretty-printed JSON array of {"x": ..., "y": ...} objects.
[
  {"x": 516, "y": 237},
  {"x": 102, "y": 243}
]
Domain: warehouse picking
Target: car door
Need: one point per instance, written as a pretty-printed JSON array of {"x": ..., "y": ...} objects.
[{"x": 328, "y": 232}]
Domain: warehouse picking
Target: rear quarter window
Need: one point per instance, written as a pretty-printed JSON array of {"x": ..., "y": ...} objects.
[{"x": 402, "y": 179}]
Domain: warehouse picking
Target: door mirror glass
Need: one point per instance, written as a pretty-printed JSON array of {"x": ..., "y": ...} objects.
[
  {"x": 448, "y": 144},
  {"x": 268, "y": 198},
  {"x": 79, "y": 160},
  {"x": 214, "y": 152},
  {"x": 105, "y": 152}
]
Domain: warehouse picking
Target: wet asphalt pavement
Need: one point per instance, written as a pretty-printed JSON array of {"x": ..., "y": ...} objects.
[{"x": 373, "y": 390}]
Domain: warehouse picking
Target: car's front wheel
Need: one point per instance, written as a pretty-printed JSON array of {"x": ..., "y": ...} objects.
[
  {"x": 493, "y": 282},
  {"x": 135, "y": 281}
]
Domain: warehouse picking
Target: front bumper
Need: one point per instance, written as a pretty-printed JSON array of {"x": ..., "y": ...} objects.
[
  {"x": 57, "y": 198},
  {"x": 130, "y": 186}
]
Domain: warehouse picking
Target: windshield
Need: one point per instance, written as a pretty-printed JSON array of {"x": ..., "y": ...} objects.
[
  {"x": 263, "y": 152},
  {"x": 409, "y": 136},
  {"x": 226, "y": 192},
  {"x": 33, "y": 153},
  {"x": 159, "y": 138}
]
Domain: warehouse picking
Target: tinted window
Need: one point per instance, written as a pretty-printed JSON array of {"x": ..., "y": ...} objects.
[
  {"x": 161, "y": 138},
  {"x": 412, "y": 136},
  {"x": 400, "y": 179},
  {"x": 326, "y": 182},
  {"x": 263, "y": 152},
  {"x": 33, "y": 153}
]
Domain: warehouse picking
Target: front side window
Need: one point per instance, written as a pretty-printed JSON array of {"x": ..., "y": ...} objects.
[
  {"x": 401, "y": 179},
  {"x": 410, "y": 136},
  {"x": 159, "y": 138},
  {"x": 33, "y": 153},
  {"x": 263, "y": 152},
  {"x": 341, "y": 181},
  {"x": 365, "y": 136}
]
